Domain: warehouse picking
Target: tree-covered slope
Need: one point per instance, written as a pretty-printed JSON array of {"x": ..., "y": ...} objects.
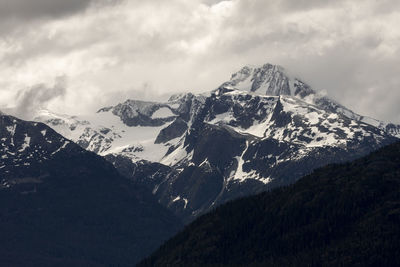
[
  {"x": 340, "y": 215},
  {"x": 61, "y": 205}
]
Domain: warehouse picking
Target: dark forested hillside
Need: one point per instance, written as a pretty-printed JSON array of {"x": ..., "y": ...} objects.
[
  {"x": 340, "y": 215},
  {"x": 63, "y": 206}
]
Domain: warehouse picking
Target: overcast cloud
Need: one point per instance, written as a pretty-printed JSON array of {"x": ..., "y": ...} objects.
[{"x": 110, "y": 50}]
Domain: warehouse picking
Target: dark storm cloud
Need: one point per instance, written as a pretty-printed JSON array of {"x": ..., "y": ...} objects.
[
  {"x": 290, "y": 5},
  {"x": 211, "y": 2},
  {"x": 32, "y": 9}
]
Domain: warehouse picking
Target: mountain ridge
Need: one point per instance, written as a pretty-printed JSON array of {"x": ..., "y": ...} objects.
[{"x": 269, "y": 140}]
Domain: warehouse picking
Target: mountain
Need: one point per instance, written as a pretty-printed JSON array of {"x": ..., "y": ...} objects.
[
  {"x": 275, "y": 80},
  {"x": 340, "y": 215},
  {"x": 260, "y": 130},
  {"x": 61, "y": 205}
]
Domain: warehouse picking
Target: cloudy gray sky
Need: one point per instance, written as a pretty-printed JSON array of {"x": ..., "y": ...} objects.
[{"x": 108, "y": 50}]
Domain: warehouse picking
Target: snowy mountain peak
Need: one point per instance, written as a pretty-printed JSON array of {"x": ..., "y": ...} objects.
[
  {"x": 274, "y": 80},
  {"x": 268, "y": 79}
]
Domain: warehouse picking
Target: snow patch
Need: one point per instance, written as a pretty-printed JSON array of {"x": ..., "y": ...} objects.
[
  {"x": 178, "y": 198},
  {"x": 176, "y": 156},
  {"x": 240, "y": 174},
  {"x": 60, "y": 148},
  {"x": 223, "y": 118},
  {"x": 174, "y": 106},
  {"x": 26, "y": 144},
  {"x": 11, "y": 129},
  {"x": 162, "y": 113},
  {"x": 312, "y": 117}
]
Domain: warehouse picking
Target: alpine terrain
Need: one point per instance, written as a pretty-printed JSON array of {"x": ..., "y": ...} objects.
[{"x": 261, "y": 129}]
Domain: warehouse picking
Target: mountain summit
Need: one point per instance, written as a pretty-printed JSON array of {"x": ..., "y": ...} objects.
[{"x": 272, "y": 80}]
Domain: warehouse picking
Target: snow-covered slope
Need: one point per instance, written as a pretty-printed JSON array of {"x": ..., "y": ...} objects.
[
  {"x": 136, "y": 129},
  {"x": 274, "y": 80},
  {"x": 305, "y": 124},
  {"x": 24, "y": 144},
  {"x": 105, "y": 133}
]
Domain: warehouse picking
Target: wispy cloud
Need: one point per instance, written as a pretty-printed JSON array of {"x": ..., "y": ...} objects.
[{"x": 38, "y": 96}]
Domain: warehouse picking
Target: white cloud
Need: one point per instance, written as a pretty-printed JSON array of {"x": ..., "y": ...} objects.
[{"x": 348, "y": 48}]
